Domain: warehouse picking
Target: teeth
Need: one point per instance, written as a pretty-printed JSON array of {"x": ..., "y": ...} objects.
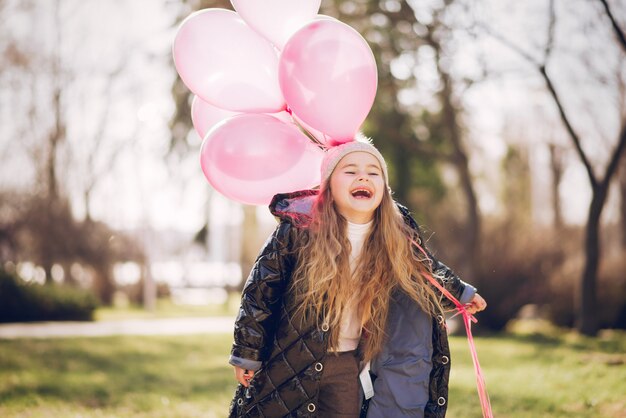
[{"x": 363, "y": 192}]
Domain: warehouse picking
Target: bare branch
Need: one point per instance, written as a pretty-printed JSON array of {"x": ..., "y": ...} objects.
[
  {"x": 550, "y": 42},
  {"x": 618, "y": 31},
  {"x": 617, "y": 154},
  {"x": 568, "y": 126},
  {"x": 541, "y": 67},
  {"x": 510, "y": 44}
]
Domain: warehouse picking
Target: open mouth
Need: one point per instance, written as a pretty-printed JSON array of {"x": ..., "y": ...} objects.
[{"x": 361, "y": 193}]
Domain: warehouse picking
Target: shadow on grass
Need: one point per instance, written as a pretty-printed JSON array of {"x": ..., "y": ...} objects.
[
  {"x": 611, "y": 343},
  {"x": 540, "y": 339}
]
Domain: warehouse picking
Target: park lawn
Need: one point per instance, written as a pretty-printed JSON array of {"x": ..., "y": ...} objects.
[
  {"x": 536, "y": 375},
  {"x": 187, "y": 376},
  {"x": 165, "y": 308}
]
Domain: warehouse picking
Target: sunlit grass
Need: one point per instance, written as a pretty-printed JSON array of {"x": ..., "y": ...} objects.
[
  {"x": 165, "y": 308},
  {"x": 534, "y": 375},
  {"x": 116, "y": 377},
  {"x": 560, "y": 375}
]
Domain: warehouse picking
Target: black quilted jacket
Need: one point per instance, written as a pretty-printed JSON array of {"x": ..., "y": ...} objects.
[{"x": 293, "y": 352}]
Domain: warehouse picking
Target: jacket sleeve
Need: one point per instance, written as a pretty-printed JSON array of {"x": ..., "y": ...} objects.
[
  {"x": 462, "y": 291},
  {"x": 261, "y": 300}
]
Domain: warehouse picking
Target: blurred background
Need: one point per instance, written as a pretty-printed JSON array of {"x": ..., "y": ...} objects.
[{"x": 504, "y": 127}]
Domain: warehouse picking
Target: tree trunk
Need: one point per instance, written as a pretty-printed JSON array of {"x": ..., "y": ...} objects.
[
  {"x": 402, "y": 186},
  {"x": 57, "y": 134},
  {"x": 587, "y": 323},
  {"x": 622, "y": 189},
  {"x": 471, "y": 233},
  {"x": 556, "y": 167},
  {"x": 249, "y": 242},
  {"x": 47, "y": 239},
  {"x": 103, "y": 284},
  {"x": 149, "y": 289}
]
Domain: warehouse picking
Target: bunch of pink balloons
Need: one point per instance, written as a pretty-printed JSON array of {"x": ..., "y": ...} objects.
[{"x": 262, "y": 74}]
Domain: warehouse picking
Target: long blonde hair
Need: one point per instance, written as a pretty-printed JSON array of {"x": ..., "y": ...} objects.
[{"x": 324, "y": 285}]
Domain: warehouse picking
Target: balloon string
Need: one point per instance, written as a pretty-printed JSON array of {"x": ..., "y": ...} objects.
[
  {"x": 468, "y": 318},
  {"x": 309, "y": 135},
  {"x": 312, "y": 137}
]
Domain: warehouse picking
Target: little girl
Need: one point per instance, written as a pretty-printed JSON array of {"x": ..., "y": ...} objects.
[{"x": 340, "y": 284}]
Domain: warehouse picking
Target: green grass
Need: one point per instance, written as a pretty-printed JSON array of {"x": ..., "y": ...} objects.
[
  {"x": 182, "y": 376},
  {"x": 165, "y": 308},
  {"x": 562, "y": 375}
]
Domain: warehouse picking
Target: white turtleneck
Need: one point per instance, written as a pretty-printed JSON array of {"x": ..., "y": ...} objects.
[{"x": 350, "y": 330}]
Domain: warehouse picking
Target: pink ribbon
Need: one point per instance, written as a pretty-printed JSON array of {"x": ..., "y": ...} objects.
[{"x": 468, "y": 318}]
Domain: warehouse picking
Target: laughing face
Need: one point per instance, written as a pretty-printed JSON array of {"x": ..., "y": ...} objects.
[{"x": 357, "y": 185}]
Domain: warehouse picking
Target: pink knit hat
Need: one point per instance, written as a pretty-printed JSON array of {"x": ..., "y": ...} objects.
[{"x": 336, "y": 153}]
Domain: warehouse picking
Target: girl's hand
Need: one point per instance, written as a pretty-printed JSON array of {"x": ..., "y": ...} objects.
[
  {"x": 476, "y": 305},
  {"x": 243, "y": 376}
]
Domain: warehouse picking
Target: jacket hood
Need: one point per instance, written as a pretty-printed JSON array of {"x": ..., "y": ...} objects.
[{"x": 294, "y": 207}]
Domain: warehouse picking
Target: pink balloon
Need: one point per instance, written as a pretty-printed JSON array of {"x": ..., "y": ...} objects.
[
  {"x": 277, "y": 20},
  {"x": 226, "y": 63},
  {"x": 283, "y": 116},
  {"x": 328, "y": 76},
  {"x": 324, "y": 17},
  {"x": 204, "y": 115},
  {"x": 251, "y": 157}
]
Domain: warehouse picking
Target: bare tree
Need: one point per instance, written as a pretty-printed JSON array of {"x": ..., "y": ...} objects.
[
  {"x": 621, "y": 39},
  {"x": 599, "y": 184},
  {"x": 43, "y": 84},
  {"x": 93, "y": 171},
  {"x": 459, "y": 155}
]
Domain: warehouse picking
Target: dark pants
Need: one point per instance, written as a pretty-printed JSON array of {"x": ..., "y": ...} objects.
[{"x": 339, "y": 386}]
